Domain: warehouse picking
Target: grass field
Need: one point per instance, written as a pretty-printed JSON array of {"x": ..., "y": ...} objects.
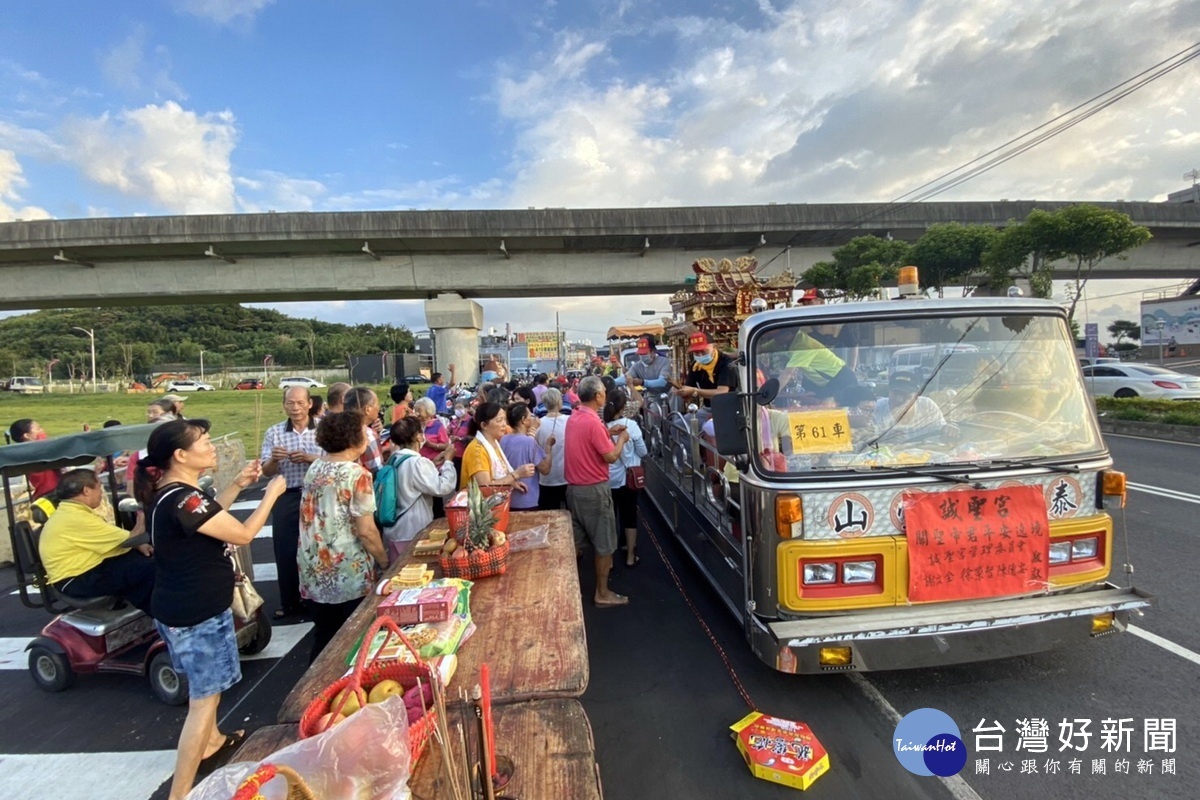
[{"x": 246, "y": 413}]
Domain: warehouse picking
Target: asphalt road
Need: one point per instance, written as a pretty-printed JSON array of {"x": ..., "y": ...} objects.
[{"x": 663, "y": 693}]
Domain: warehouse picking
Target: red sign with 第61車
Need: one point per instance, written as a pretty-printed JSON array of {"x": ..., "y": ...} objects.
[{"x": 968, "y": 544}]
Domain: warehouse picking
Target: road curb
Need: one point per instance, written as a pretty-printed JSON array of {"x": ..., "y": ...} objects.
[{"x": 1152, "y": 430}]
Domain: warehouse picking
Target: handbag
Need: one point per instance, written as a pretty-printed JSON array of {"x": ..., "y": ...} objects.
[
  {"x": 635, "y": 478},
  {"x": 246, "y": 599}
]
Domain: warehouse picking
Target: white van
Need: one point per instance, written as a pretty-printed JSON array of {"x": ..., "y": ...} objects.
[
  {"x": 920, "y": 360},
  {"x": 25, "y": 384}
]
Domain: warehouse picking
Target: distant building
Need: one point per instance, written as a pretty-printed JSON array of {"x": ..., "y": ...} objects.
[{"x": 1189, "y": 195}]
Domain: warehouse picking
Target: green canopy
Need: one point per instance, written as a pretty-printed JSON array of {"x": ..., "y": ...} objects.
[{"x": 73, "y": 450}]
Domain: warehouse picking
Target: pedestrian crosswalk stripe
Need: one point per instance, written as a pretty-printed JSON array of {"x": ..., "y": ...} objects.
[
  {"x": 283, "y": 639},
  {"x": 109, "y": 776}
]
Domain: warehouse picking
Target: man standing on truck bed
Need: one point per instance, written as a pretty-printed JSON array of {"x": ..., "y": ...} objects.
[
  {"x": 651, "y": 370},
  {"x": 712, "y": 373}
]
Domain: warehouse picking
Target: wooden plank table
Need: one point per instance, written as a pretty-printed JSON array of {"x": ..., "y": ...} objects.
[
  {"x": 549, "y": 741},
  {"x": 530, "y": 626}
]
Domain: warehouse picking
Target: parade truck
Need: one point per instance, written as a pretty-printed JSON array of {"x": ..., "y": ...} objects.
[{"x": 860, "y": 509}]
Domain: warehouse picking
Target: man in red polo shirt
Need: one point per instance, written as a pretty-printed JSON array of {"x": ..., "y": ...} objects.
[{"x": 588, "y": 449}]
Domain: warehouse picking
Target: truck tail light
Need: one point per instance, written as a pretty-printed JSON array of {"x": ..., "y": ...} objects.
[
  {"x": 1112, "y": 488},
  {"x": 1071, "y": 554},
  {"x": 1084, "y": 548},
  {"x": 820, "y": 573},
  {"x": 841, "y": 576},
  {"x": 789, "y": 516},
  {"x": 858, "y": 572}
]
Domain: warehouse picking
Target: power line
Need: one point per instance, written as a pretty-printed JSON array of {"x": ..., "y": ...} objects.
[{"x": 1057, "y": 125}]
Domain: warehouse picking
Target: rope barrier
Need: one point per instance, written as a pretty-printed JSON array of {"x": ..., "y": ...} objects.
[{"x": 733, "y": 676}]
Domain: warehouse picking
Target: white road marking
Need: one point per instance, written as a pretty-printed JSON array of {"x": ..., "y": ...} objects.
[
  {"x": 283, "y": 639},
  {"x": 265, "y": 533},
  {"x": 1161, "y": 492},
  {"x": 245, "y": 505},
  {"x": 262, "y": 572},
  {"x": 1150, "y": 439},
  {"x": 955, "y": 784},
  {"x": 110, "y": 776},
  {"x": 1166, "y": 644},
  {"x": 12, "y": 653}
]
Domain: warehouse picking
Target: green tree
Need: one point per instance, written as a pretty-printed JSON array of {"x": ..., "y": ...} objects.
[
  {"x": 1122, "y": 328},
  {"x": 859, "y": 268},
  {"x": 951, "y": 252},
  {"x": 1082, "y": 235},
  {"x": 1085, "y": 235},
  {"x": 1018, "y": 251}
]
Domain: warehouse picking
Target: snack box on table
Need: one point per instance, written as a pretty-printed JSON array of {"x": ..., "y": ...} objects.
[
  {"x": 780, "y": 750},
  {"x": 427, "y": 604}
]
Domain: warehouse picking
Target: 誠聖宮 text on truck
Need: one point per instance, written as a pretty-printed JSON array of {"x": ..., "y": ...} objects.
[{"x": 899, "y": 484}]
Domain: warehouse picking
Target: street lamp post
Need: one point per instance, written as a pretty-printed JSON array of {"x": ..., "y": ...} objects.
[
  {"x": 202, "y": 366},
  {"x": 92, "y": 335},
  {"x": 1159, "y": 327}
]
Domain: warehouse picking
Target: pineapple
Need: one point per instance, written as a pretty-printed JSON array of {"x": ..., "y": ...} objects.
[{"x": 481, "y": 517}]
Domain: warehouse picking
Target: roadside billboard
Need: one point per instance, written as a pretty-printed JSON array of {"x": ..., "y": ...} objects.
[{"x": 1180, "y": 318}]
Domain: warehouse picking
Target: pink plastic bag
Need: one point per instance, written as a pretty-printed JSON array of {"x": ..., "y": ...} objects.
[
  {"x": 529, "y": 539},
  {"x": 366, "y": 757}
]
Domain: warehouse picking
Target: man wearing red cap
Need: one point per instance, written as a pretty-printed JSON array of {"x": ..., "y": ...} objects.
[
  {"x": 651, "y": 369},
  {"x": 712, "y": 372}
]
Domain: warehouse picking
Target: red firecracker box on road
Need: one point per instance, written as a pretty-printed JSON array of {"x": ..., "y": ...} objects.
[
  {"x": 780, "y": 750},
  {"x": 426, "y": 604}
]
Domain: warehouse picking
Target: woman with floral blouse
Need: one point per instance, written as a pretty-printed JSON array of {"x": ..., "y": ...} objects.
[{"x": 341, "y": 551}]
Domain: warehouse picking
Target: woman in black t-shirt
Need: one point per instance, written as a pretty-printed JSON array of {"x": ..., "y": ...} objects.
[{"x": 191, "y": 533}]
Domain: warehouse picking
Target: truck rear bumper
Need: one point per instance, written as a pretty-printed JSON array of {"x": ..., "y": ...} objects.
[{"x": 925, "y": 636}]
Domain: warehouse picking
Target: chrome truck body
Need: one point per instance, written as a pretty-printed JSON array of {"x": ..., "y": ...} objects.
[{"x": 805, "y": 540}]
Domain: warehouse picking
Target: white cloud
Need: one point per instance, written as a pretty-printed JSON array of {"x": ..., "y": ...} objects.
[
  {"x": 223, "y": 12},
  {"x": 165, "y": 154},
  {"x": 274, "y": 191},
  {"x": 852, "y": 100},
  {"x": 129, "y": 67},
  {"x": 12, "y": 179}
]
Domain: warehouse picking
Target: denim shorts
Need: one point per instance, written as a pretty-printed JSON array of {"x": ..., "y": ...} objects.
[{"x": 207, "y": 653}]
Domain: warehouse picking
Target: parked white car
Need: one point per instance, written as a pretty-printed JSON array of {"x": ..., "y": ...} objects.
[
  {"x": 307, "y": 383},
  {"x": 189, "y": 386},
  {"x": 1140, "y": 380}
]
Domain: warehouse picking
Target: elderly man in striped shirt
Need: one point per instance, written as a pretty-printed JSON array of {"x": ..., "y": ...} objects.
[{"x": 288, "y": 449}]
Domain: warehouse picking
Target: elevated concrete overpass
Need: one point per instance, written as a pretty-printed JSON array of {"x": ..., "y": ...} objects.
[
  {"x": 508, "y": 253},
  {"x": 449, "y": 257}
]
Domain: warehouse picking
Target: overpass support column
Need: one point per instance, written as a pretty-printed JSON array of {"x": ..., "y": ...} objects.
[{"x": 455, "y": 322}]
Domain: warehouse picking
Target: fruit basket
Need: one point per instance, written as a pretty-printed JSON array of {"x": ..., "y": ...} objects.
[
  {"x": 363, "y": 678},
  {"x": 479, "y": 548}
]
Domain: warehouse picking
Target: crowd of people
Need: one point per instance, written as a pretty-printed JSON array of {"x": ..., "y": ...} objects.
[{"x": 552, "y": 443}]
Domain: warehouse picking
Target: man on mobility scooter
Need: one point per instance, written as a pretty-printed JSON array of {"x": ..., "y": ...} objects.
[{"x": 85, "y": 556}]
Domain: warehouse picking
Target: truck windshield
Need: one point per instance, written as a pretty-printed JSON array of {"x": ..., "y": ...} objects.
[{"x": 903, "y": 392}]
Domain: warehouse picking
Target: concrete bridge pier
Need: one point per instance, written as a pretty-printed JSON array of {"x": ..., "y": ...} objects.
[{"x": 455, "y": 322}]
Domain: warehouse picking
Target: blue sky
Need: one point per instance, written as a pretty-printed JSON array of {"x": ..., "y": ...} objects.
[{"x": 201, "y": 106}]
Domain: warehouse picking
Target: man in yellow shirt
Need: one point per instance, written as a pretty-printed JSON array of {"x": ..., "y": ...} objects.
[{"x": 84, "y": 555}]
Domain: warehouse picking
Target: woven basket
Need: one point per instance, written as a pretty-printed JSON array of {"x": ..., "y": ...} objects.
[
  {"x": 297, "y": 788},
  {"x": 364, "y": 676},
  {"x": 475, "y": 564}
]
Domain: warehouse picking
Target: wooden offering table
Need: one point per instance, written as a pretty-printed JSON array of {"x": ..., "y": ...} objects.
[{"x": 529, "y": 626}]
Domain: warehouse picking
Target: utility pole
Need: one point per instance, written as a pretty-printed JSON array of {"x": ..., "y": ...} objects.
[
  {"x": 92, "y": 335},
  {"x": 558, "y": 356}
]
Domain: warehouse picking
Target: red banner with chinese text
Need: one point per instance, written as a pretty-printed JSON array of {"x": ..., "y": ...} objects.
[{"x": 976, "y": 543}]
